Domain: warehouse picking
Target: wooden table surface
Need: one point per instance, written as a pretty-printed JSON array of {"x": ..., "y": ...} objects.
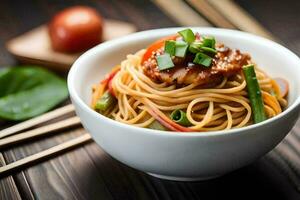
[{"x": 88, "y": 172}]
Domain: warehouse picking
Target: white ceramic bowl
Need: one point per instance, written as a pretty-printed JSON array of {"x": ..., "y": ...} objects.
[{"x": 184, "y": 156}]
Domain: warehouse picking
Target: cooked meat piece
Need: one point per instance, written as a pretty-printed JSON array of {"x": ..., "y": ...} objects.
[{"x": 225, "y": 63}]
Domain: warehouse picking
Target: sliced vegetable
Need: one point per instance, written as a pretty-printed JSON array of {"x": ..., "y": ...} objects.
[
  {"x": 164, "y": 61},
  {"x": 209, "y": 42},
  {"x": 181, "y": 49},
  {"x": 157, "y": 45},
  {"x": 105, "y": 102},
  {"x": 187, "y": 35},
  {"x": 195, "y": 47},
  {"x": 167, "y": 122},
  {"x": 157, "y": 126},
  {"x": 179, "y": 117},
  {"x": 202, "y": 59},
  {"x": 208, "y": 50},
  {"x": 99, "y": 89},
  {"x": 170, "y": 46},
  {"x": 28, "y": 91},
  {"x": 111, "y": 75},
  {"x": 254, "y": 94}
]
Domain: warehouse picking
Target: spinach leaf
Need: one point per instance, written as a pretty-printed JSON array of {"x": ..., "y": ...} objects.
[{"x": 28, "y": 91}]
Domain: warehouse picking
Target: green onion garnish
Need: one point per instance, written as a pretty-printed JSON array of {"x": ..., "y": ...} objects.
[
  {"x": 170, "y": 47},
  {"x": 202, "y": 59},
  {"x": 164, "y": 61},
  {"x": 195, "y": 47},
  {"x": 208, "y": 50},
  {"x": 187, "y": 35},
  {"x": 181, "y": 49},
  {"x": 179, "y": 117},
  {"x": 209, "y": 42}
]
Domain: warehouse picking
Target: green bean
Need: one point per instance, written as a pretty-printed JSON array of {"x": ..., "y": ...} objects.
[
  {"x": 106, "y": 101},
  {"x": 254, "y": 94},
  {"x": 179, "y": 117}
]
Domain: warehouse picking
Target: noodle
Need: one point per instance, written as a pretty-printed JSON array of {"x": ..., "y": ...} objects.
[{"x": 225, "y": 106}]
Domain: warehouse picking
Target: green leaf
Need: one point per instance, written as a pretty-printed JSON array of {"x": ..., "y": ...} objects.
[{"x": 29, "y": 91}]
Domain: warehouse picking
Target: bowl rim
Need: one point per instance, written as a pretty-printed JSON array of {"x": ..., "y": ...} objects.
[{"x": 138, "y": 35}]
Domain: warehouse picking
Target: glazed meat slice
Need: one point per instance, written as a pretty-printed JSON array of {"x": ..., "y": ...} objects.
[{"x": 225, "y": 63}]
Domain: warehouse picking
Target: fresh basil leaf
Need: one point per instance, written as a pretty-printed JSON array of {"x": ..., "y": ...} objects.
[{"x": 28, "y": 91}]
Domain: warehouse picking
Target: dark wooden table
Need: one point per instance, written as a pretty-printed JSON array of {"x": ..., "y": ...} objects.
[{"x": 89, "y": 173}]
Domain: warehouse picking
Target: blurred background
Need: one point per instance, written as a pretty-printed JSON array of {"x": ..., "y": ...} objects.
[{"x": 281, "y": 18}]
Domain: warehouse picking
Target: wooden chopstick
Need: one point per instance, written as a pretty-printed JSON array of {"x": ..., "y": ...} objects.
[
  {"x": 239, "y": 17},
  {"x": 181, "y": 13},
  {"x": 211, "y": 14},
  {"x": 21, "y": 137},
  {"x": 37, "y": 120},
  {"x": 6, "y": 169}
]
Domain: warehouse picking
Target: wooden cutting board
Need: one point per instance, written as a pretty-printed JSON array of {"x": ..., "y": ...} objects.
[{"x": 34, "y": 46}]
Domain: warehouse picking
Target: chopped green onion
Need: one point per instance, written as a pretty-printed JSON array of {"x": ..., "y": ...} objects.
[
  {"x": 187, "y": 35},
  {"x": 164, "y": 61},
  {"x": 157, "y": 126},
  {"x": 202, "y": 59},
  {"x": 179, "y": 117},
  {"x": 170, "y": 47},
  {"x": 195, "y": 47},
  {"x": 181, "y": 49},
  {"x": 208, "y": 50},
  {"x": 254, "y": 94},
  {"x": 209, "y": 42},
  {"x": 105, "y": 101}
]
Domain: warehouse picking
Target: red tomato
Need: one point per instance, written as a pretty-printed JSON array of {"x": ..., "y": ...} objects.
[
  {"x": 75, "y": 29},
  {"x": 156, "y": 45}
]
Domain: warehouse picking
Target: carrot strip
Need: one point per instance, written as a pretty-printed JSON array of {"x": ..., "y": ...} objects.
[
  {"x": 111, "y": 75},
  {"x": 99, "y": 89},
  {"x": 271, "y": 101},
  {"x": 276, "y": 88}
]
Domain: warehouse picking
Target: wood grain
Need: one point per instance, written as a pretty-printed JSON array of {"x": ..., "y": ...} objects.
[
  {"x": 44, "y": 154},
  {"x": 37, "y": 120},
  {"x": 8, "y": 188},
  {"x": 41, "y": 131}
]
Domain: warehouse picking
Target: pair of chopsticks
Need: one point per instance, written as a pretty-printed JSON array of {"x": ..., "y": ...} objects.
[
  {"x": 223, "y": 14},
  {"x": 12, "y": 136}
]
